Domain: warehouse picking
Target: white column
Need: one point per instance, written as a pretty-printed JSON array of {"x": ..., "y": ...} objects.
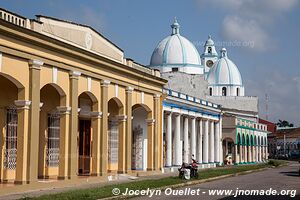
[
  {"x": 199, "y": 156},
  {"x": 217, "y": 142},
  {"x": 220, "y": 142},
  {"x": 193, "y": 137},
  {"x": 169, "y": 140},
  {"x": 211, "y": 143},
  {"x": 205, "y": 142},
  {"x": 246, "y": 153},
  {"x": 241, "y": 153},
  {"x": 177, "y": 147},
  {"x": 235, "y": 154},
  {"x": 260, "y": 156},
  {"x": 186, "y": 140},
  {"x": 250, "y": 153}
]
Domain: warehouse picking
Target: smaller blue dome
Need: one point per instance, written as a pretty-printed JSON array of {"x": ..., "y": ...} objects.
[{"x": 224, "y": 72}]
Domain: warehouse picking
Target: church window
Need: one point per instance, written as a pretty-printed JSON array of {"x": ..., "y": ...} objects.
[
  {"x": 10, "y": 160},
  {"x": 210, "y": 91},
  {"x": 224, "y": 91},
  {"x": 53, "y": 140},
  {"x": 237, "y": 91},
  {"x": 209, "y": 50}
]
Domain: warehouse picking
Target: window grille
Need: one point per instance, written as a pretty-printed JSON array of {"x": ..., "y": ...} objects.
[
  {"x": 53, "y": 140},
  {"x": 113, "y": 141},
  {"x": 10, "y": 159}
]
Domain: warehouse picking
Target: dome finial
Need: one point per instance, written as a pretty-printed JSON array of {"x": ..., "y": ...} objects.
[
  {"x": 223, "y": 52},
  {"x": 175, "y": 27},
  {"x": 209, "y": 36}
]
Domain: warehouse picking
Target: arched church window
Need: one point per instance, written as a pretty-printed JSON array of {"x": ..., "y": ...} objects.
[
  {"x": 224, "y": 92},
  {"x": 209, "y": 50},
  {"x": 237, "y": 91},
  {"x": 210, "y": 91}
]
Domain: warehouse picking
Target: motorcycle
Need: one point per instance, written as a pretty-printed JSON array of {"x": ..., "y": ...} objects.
[{"x": 187, "y": 171}]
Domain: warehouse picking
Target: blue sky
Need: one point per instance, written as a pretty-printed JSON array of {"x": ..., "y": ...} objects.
[{"x": 264, "y": 36}]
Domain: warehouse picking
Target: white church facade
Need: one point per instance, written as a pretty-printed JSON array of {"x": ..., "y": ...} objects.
[{"x": 226, "y": 129}]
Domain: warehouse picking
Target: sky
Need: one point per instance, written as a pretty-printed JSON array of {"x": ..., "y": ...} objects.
[{"x": 261, "y": 37}]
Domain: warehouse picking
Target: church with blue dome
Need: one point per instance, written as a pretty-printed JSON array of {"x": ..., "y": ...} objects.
[{"x": 206, "y": 112}]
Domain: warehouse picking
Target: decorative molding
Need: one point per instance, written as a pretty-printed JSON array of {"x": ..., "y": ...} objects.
[
  {"x": 121, "y": 117},
  {"x": 142, "y": 97},
  {"x": 0, "y": 61},
  {"x": 64, "y": 109},
  {"x": 41, "y": 104},
  {"x": 150, "y": 121},
  {"x": 89, "y": 84},
  {"x": 35, "y": 64},
  {"x": 157, "y": 96},
  {"x": 23, "y": 104},
  {"x": 74, "y": 74},
  {"x": 54, "y": 75},
  {"x": 105, "y": 83},
  {"x": 129, "y": 89},
  {"x": 116, "y": 90},
  {"x": 96, "y": 114}
]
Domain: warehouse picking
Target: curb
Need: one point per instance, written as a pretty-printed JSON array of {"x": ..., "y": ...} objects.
[{"x": 194, "y": 182}]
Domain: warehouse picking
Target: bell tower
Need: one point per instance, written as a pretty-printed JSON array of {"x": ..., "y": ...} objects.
[{"x": 209, "y": 55}]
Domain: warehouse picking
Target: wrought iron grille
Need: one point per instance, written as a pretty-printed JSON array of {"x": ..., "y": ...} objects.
[{"x": 52, "y": 151}]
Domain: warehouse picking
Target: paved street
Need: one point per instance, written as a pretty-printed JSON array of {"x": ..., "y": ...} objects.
[{"x": 284, "y": 178}]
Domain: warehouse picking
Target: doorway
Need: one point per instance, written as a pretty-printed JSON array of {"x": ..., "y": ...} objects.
[{"x": 84, "y": 147}]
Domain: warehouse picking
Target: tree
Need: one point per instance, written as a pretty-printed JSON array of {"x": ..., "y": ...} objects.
[{"x": 284, "y": 123}]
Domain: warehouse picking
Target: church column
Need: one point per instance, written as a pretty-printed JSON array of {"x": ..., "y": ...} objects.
[
  {"x": 129, "y": 91},
  {"x": 186, "y": 140},
  {"x": 177, "y": 146},
  {"x": 72, "y": 153},
  {"x": 245, "y": 153},
  {"x": 96, "y": 127},
  {"x": 104, "y": 128},
  {"x": 205, "y": 142},
  {"x": 33, "y": 136},
  {"x": 157, "y": 131},
  {"x": 211, "y": 143},
  {"x": 236, "y": 160},
  {"x": 217, "y": 142},
  {"x": 193, "y": 137},
  {"x": 22, "y": 140},
  {"x": 122, "y": 144},
  {"x": 169, "y": 140},
  {"x": 63, "y": 141},
  {"x": 220, "y": 141},
  {"x": 150, "y": 150},
  {"x": 260, "y": 156},
  {"x": 241, "y": 153},
  {"x": 200, "y": 151},
  {"x": 249, "y": 153}
]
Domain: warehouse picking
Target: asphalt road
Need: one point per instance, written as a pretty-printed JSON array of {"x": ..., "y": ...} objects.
[{"x": 283, "y": 178}]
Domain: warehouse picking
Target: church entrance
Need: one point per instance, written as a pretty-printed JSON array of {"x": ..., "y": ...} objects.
[{"x": 84, "y": 146}]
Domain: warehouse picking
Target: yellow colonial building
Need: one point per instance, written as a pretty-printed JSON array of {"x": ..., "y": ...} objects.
[{"x": 71, "y": 104}]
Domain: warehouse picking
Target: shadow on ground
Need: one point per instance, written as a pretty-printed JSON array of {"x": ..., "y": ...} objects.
[{"x": 291, "y": 173}]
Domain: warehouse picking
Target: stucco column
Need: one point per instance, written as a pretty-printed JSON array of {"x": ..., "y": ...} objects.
[
  {"x": 73, "y": 149},
  {"x": 241, "y": 153},
  {"x": 33, "y": 136},
  {"x": 63, "y": 141},
  {"x": 157, "y": 131},
  {"x": 245, "y": 153},
  {"x": 96, "y": 127},
  {"x": 177, "y": 146},
  {"x": 150, "y": 144},
  {"x": 217, "y": 142},
  {"x": 260, "y": 152},
  {"x": 122, "y": 144},
  {"x": 169, "y": 140},
  {"x": 205, "y": 142},
  {"x": 211, "y": 158},
  {"x": 220, "y": 141},
  {"x": 249, "y": 153},
  {"x": 199, "y": 141},
  {"x": 193, "y": 137},
  {"x": 104, "y": 128},
  {"x": 22, "y": 140},
  {"x": 186, "y": 140},
  {"x": 128, "y": 145},
  {"x": 236, "y": 160}
]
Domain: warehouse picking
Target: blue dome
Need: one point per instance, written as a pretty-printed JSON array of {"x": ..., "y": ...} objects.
[{"x": 224, "y": 72}]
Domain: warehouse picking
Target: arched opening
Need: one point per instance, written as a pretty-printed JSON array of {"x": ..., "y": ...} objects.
[
  {"x": 115, "y": 110},
  {"x": 209, "y": 50},
  {"x": 49, "y": 137},
  {"x": 242, "y": 154},
  {"x": 8, "y": 127},
  {"x": 248, "y": 148},
  {"x": 228, "y": 151},
  {"x": 87, "y": 103},
  {"x": 238, "y": 142},
  {"x": 224, "y": 91},
  {"x": 210, "y": 91},
  {"x": 237, "y": 91},
  {"x": 139, "y": 156}
]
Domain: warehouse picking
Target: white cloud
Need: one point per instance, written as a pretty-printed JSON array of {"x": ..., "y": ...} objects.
[{"x": 250, "y": 20}]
